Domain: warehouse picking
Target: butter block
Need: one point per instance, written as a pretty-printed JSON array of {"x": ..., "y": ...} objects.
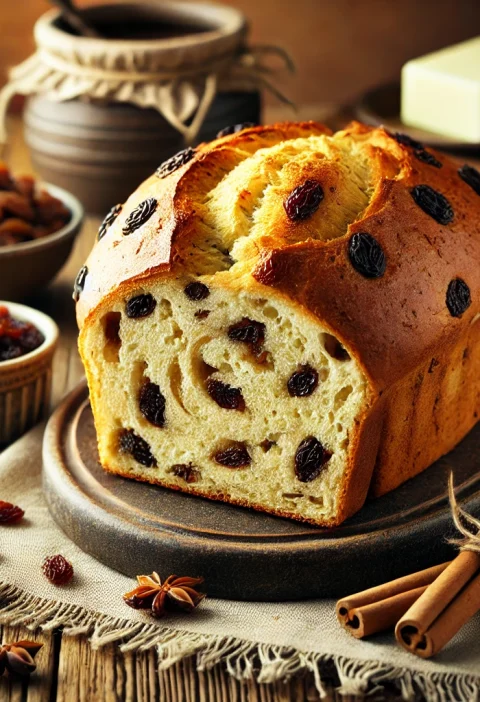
[{"x": 441, "y": 92}]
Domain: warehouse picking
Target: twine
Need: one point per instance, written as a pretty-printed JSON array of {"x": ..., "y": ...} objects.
[
  {"x": 178, "y": 95},
  {"x": 466, "y": 524}
]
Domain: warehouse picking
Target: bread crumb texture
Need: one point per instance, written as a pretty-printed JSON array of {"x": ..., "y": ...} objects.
[{"x": 203, "y": 378}]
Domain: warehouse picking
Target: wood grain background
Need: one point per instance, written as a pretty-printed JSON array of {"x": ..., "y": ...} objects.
[{"x": 341, "y": 47}]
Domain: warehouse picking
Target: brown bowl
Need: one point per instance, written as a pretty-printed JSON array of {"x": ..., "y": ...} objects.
[{"x": 26, "y": 267}]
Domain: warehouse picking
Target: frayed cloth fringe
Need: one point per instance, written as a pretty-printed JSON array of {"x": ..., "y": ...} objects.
[{"x": 244, "y": 660}]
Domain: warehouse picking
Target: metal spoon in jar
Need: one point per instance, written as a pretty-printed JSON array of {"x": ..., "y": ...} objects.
[{"x": 75, "y": 19}]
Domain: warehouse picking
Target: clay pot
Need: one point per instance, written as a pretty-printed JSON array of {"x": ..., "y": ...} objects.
[
  {"x": 101, "y": 153},
  {"x": 103, "y": 131}
]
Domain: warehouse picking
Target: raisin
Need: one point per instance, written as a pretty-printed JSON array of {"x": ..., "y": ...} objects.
[
  {"x": 428, "y": 158},
  {"x": 310, "y": 458},
  {"x": 471, "y": 177},
  {"x": 140, "y": 306},
  {"x": 10, "y": 514},
  {"x": 79, "y": 283},
  {"x": 248, "y": 332},
  {"x": 225, "y": 396},
  {"x": 152, "y": 404},
  {"x": 175, "y": 162},
  {"x": 202, "y": 314},
  {"x": 234, "y": 129},
  {"x": 196, "y": 291},
  {"x": 303, "y": 382},
  {"x": 366, "y": 255},
  {"x": 57, "y": 569},
  {"x": 139, "y": 215},
  {"x": 304, "y": 200},
  {"x": 433, "y": 203},
  {"x": 235, "y": 456},
  {"x": 137, "y": 447},
  {"x": 406, "y": 140},
  {"x": 458, "y": 297},
  {"x": 108, "y": 221},
  {"x": 187, "y": 472}
]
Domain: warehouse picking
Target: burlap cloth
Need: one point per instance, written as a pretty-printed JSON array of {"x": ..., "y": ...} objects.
[{"x": 270, "y": 641}]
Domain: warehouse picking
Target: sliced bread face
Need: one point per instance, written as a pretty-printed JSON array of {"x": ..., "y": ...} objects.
[
  {"x": 263, "y": 318},
  {"x": 228, "y": 394}
]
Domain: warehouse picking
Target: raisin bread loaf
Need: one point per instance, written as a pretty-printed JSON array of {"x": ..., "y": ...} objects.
[{"x": 286, "y": 318}]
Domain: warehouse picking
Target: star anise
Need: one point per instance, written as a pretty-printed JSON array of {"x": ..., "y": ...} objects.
[
  {"x": 172, "y": 595},
  {"x": 17, "y": 658}
]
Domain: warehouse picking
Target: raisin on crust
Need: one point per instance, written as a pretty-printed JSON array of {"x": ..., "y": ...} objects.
[{"x": 299, "y": 284}]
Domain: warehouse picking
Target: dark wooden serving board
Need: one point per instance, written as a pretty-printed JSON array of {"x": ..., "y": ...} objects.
[{"x": 242, "y": 554}]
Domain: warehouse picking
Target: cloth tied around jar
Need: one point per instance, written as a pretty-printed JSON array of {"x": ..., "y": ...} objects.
[{"x": 178, "y": 76}]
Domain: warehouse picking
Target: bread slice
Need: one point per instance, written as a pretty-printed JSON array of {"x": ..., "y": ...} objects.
[{"x": 250, "y": 315}]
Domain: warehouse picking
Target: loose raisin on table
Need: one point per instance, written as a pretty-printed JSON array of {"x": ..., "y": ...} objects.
[
  {"x": 458, "y": 297},
  {"x": 407, "y": 140},
  {"x": 248, "y": 331},
  {"x": 175, "y": 162},
  {"x": 187, "y": 472},
  {"x": 196, "y": 291},
  {"x": 304, "y": 200},
  {"x": 303, "y": 382},
  {"x": 139, "y": 215},
  {"x": 140, "y": 306},
  {"x": 131, "y": 443},
  {"x": 471, "y": 177},
  {"x": 433, "y": 203},
  {"x": 10, "y": 514},
  {"x": 428, "y": 158},
  {"x": 225, "y": 395},
  {"x": 235, "y": 456},
  {"x": 79, "y": 283},
  {"x": 57, "y": 570},
  {"x": 152, "y": 404},
  {"x": 108, "y": 221},
  {"x": 234, "y": 128},
  {"x": 310, "y": 458},
  {"x": 366, "y": 255}
]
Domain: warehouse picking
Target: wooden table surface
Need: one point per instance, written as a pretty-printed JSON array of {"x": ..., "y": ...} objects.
[{"x": 67, "y": 668}]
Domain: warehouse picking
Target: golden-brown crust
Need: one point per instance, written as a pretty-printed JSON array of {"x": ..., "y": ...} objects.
[
  {"x": 118, "y": 260},
  {"x": 392, "y": 325},
  {"x": 428, "y": 412}
]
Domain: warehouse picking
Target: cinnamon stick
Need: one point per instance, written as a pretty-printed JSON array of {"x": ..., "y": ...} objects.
[
  {"x": 379, "y": 608},
  {"x": 445, "y": 606}
]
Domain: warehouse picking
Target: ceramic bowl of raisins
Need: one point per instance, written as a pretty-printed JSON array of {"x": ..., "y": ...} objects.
[
  {"x": 38, "y": 226},
  {"x": 28, "y": 339}
]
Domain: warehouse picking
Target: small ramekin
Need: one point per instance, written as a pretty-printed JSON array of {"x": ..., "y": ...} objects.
[{"x": 26, "y": 382}]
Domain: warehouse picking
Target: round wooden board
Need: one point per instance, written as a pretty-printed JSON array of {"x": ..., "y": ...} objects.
[{"x": 242, "y": 554}]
